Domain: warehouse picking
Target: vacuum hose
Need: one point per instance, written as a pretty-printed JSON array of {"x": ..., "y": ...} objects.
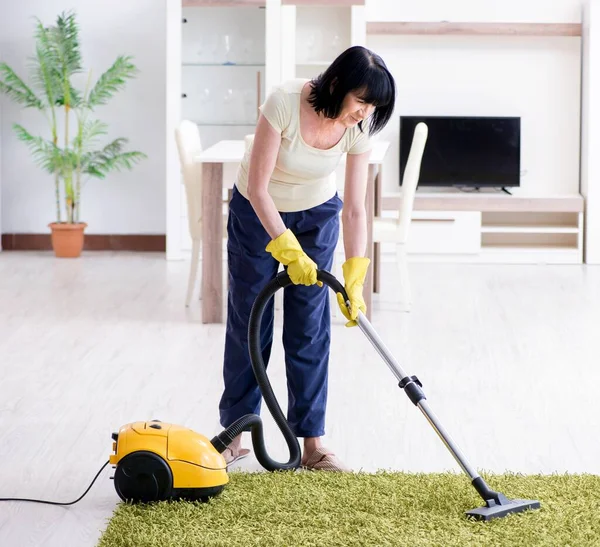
[{"x": 253, "y": 422}]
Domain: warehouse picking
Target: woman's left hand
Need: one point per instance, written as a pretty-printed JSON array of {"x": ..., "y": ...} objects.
[{"x": 355, "y": 272}]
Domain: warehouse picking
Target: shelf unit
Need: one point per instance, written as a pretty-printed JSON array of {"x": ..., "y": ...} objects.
[
  {"x": 307, "y": 45},
  {"x": 223, "y": 67},
  {"x": 530, "y": 223},
  {"x": 492, "y": 228},
  {"x": 223, "y": 75},
  {"x": 558, "y": 235},
  {"x": 480, "y": 29}
]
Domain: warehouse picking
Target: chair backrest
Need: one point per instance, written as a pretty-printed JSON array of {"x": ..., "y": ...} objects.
[
  {"x": 187, "y": 136},
  {"x": 410, "y": 180}
]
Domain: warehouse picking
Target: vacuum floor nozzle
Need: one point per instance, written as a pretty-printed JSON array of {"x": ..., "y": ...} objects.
[{"x": 494, "y": 510}]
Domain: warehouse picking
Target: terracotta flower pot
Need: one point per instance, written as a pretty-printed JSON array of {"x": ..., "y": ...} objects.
[{"x": 67, "y": 239}]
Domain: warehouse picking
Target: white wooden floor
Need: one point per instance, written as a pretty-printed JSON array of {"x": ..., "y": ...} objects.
[{"x": 509, "y": 357}]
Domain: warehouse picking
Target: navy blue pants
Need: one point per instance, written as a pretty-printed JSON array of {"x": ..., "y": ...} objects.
[{"x": 306, "y": 315}]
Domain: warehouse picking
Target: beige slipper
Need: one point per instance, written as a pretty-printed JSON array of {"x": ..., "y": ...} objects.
[
  {"x": 324, "y": 460},
  {"x": 232, "y": 457}
]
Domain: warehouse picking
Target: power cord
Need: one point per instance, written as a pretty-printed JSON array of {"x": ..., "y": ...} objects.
[{"x": 57, "y": 502}]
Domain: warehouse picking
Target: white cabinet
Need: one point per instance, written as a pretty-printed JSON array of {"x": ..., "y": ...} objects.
[
  {"x": 445, "y": 232},
  {"x": 314, "y": 35},
  {"x": 223, "y": 69}
]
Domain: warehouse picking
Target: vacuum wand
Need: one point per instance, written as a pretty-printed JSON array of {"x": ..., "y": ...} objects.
[
  {"x": 415, "y": 393},
  {"x": 496, "y": 504}
]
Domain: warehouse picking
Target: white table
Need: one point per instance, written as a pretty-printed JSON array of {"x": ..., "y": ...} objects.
[{"x": 232, "y": 151}]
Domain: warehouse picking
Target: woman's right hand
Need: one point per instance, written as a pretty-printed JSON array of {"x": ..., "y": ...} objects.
[
  {"x": 283, "y": 246},
  {"x": 300, "y": 267}
]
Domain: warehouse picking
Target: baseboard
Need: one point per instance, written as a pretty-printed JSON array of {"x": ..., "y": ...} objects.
[{"x": 92, "y": 242}]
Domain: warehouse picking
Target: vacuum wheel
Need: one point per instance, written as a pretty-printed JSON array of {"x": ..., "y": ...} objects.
[{"x": 143, "y": 477}]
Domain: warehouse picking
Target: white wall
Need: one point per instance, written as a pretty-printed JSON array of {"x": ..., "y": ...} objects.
[
  {"x": 537, "y": 78},
  {"x": 129, "y": 202},
  {"x": 590, "y": 130}
]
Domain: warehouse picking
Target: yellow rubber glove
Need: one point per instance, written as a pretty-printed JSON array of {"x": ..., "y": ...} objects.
[
  {"x": 287, "y": 250},
  {"x": 355, "y": 271}
]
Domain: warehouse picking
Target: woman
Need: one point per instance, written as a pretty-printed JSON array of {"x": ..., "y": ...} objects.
[{"x": 285, "y": 209}]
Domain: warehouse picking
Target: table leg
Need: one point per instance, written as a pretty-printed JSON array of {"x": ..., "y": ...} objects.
[
  {"x": 376, "y": 266},
  {"x": 212, "y": 241},
  {"x": 377, "y": 246},
  {"x": 370, "y": 207}
]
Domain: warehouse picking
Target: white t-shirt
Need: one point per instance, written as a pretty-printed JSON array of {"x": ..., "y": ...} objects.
[{"x": 301, "y": 177}]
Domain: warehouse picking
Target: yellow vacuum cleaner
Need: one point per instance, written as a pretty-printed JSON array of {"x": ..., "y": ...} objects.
[{"x": 157, "y": 461}]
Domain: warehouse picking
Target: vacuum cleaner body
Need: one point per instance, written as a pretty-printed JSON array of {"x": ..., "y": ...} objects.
[{"x": 156, "y": 461}]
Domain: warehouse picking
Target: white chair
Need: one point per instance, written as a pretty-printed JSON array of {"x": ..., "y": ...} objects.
[
  {"x": 187, "y": 137},
  {"x": 392, "y": 230}
]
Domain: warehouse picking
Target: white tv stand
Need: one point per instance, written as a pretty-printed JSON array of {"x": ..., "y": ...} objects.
[{"x": 494, "y": 227}]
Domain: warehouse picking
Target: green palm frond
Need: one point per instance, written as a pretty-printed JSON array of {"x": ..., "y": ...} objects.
[
  {"x": 67, "y": 161},
  {"x": 69, "y": 96},
  {"x": 67, "y": 42},
  {"x": 124, "y": 161},
  {"x": 64, "y": 44},
  {"x": 99, "y": 163},
  {"x": 114, "y": 147},
  {"x": 45, "y": 154},
  {"x": 100, "y": 168},
  {"x": 90, "y": 131},
  {"x": 45, "y": 69},
  {"x": 42, "y": 77},
  {"x": 13, "y": 86},
  {"x": 111, "y": 81},
  {"x": 57, "y": 59}
]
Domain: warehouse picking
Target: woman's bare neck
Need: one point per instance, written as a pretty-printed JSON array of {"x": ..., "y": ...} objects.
[{"x": 308, "y": 108}]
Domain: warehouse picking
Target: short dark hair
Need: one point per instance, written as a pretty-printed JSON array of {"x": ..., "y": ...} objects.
[{"x": 356, "y": 70}]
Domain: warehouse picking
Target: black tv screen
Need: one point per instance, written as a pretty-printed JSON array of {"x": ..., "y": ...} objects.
[{"x": 465, "y": 151}]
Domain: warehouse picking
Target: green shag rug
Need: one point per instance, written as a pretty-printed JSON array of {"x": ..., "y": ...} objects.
[{"x": 361, "y": 509}]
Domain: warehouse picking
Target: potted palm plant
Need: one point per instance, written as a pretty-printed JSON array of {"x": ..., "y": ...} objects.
[{"x": 77, "y": 154}]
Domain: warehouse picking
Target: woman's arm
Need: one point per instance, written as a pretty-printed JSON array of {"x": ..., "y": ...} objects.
[
  {"x": 354, "y": 214},
  {"x": 262, "y": 162}
]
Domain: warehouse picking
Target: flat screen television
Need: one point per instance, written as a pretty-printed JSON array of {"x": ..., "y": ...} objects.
[{"x": 465, "y": 151}]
